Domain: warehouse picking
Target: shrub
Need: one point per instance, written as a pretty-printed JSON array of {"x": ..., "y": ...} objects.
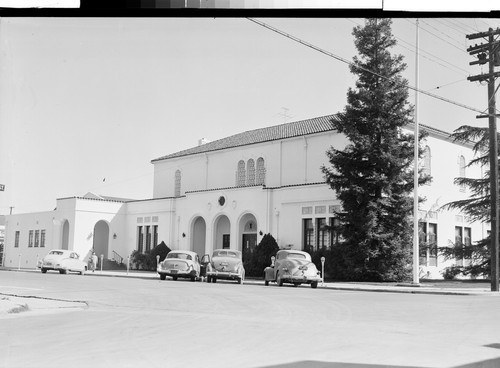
[
  {"x": 450, "y": 273},
  {"x": 147, "y": 261},
  {"x": 260, "y": 258}
]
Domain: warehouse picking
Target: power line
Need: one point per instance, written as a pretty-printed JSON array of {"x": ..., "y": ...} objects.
[
  {"x": 357, "y": 66},
  {"x": 442, "y": 39}
]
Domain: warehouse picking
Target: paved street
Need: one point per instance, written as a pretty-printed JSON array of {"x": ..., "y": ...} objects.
[{"x": 131, "y": 322}]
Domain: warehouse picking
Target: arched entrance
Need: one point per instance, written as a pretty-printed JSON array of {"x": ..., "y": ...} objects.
[
  {"x": 101, "y": 238},
  {"x": 222, "y": 232},
  {"x": 198, "y": 237},
  {"x": 65, "y": 235},
  {"x": 248, "y": 234}
]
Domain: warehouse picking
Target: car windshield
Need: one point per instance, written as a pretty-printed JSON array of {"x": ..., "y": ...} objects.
[
  {"x": 225, "y": 253},
  {"x": 57, "y": 252},
  {"x": 179, "y": 256},
  {"x": 296, "y": 255}
]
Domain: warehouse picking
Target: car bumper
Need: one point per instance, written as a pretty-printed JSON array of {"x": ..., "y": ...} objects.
[
  {"x": 224, "y": 275},
  {"x": 177, "y": 273},
  {"x": 300, "y": 278}
]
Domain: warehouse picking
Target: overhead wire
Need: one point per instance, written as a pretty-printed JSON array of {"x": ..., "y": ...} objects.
[{"x": 357, "y": 66}]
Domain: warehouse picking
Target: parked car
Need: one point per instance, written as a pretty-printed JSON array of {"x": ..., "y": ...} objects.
[
  {"x": 180, "y": 263},
  {"x": 64, "y": 261},
  {"x": 292, "y": 266},
  {"x": 226, "y": 264}
]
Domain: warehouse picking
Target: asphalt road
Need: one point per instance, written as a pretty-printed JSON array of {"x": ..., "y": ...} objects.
[{"x": 151, "y": 323}]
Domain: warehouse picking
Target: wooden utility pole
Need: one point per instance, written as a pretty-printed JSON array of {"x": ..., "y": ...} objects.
[{"x": 488, "y": 53}]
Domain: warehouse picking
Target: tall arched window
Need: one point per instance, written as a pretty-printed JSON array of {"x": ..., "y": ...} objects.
[
  {"x": 177, "y": 191},
  {"x": 427, "y": 161},
  {"x": 261, "y": 172},
  {"x": 461, "y": 171},
  {"x": 251, "y": 172},
  {"x": 240, "y": 174}
]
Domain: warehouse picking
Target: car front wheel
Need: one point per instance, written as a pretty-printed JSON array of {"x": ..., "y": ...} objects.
[
  {"x": 314, "y": 284},
  {"x": 163, "y": 276},
  {"x": 44, "y": 270}
]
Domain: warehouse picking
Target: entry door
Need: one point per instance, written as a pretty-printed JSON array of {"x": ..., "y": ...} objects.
[
  {"x": 249, "y": 242},
  {"x": 225, "y": 241}
]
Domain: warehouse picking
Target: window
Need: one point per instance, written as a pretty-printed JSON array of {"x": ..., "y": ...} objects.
[
  {"x": 37, "y": 238},
  {"x": 261, "y": 172},
  {"x": 42, "y": 238},
  {"x": 251, "y": 172},
  {"x": 240, "y": 174},
  {"x": 30, "y": 239},
  {"x": 321, "y": 233},
  {"x": 177, "y": 191},
  {"x": 155, "y": 235},
  {"x": 461, "y": 171},
  {"x": 462, "y": 239},
  {"x": 140, "y": 237},
  {"x": 308, "y": 235},
  {"x": 427, "y": 161},
  {"x": 432, "y": 239},
  {"x": 422, "y": 241},
  {"x": 427, "y": 244},
  {"x": 148, "y": 238},
  {"x": 334, "y": 233},
  {"x": 16, "y": 240}
]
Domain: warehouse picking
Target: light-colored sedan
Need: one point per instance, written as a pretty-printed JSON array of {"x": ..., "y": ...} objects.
[
  {"x": 292, "y": 266},
  {"x": 64, "y": 261},
  {"x": 226, "y": 264},
  {"x": 180, "y": 263}
]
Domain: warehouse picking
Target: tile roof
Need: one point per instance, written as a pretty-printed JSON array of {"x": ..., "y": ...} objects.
[
  {"x": 283, "y": 131},
  {"x": 277, "y": 132}
]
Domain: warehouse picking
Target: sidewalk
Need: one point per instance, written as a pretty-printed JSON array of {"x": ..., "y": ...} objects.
[{"x": 424, "y": 287}]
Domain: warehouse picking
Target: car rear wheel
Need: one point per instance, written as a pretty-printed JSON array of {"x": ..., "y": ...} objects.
[
  {"x": 44, "y": 270},
  {"x": 214, "y": 280},
  {"x": 209, "y": 279},
  {"x": 62, "y": 271},
  {"x": 314, "y": 284},
  {"x": 175, "y": 278},
  {"x": 266, "y": 282},
  {"x": 163, "y": 276}
]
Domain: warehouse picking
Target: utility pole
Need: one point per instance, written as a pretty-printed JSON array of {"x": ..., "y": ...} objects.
[{"x": 488, "y": 53}]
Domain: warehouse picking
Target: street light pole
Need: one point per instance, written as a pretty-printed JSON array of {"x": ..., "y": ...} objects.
[{"x": 415, "y": 177}]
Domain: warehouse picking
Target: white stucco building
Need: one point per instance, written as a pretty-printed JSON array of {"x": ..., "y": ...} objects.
[{"x": 229, "y": 192}]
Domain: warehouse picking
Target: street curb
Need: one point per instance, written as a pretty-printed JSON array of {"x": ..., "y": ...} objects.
[{"x": 398, "y": 288}]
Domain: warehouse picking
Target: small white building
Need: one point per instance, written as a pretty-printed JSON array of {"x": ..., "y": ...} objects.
[{"x": 229, "y": 192}]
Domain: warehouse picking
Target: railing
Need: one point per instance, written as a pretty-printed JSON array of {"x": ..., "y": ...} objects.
[{"x": 118, "y": 258}]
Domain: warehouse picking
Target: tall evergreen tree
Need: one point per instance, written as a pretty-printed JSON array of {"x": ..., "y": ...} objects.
[
  {"x": 373, "y": 175},
  {"x": 477, "y": 207}
]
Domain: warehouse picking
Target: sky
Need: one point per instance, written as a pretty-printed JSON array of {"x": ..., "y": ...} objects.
[{"x": 87, "y": 103}]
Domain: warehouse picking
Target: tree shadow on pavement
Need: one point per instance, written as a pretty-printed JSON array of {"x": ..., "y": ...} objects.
[{"x": 491, "y": 363}]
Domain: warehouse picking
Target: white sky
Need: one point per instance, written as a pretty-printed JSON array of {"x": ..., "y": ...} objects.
[{"x": 83, "y": 99}]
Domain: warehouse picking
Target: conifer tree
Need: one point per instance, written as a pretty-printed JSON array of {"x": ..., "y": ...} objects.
[
  {"x": 477, "y": 207},
  {"x": 373, "y": 175}
]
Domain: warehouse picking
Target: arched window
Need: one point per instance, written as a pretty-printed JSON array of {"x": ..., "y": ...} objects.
[
  {"x": 177, "y": 191},
  {"x": 240, "y": 174},
  {"x": 427, "y": 161},
  {"x": 461, "y": 171},
  {"x": 261, "y": 172},
  {"x": 251, "y": 172}
]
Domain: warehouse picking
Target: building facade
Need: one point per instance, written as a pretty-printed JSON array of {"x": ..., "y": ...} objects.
[{"x": 230, "y": 192}]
